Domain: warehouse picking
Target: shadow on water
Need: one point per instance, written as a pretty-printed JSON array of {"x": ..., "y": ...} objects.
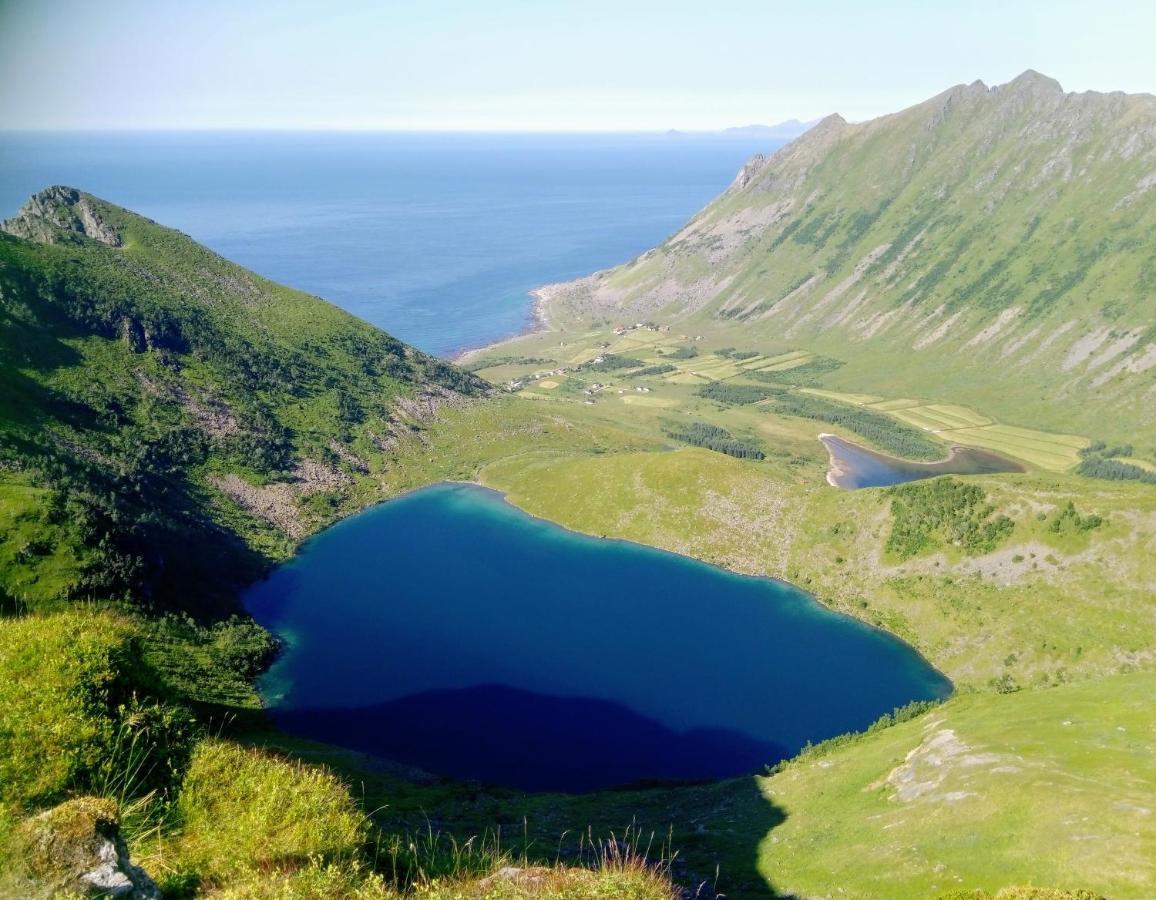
[{"x": 534, "y": 742}]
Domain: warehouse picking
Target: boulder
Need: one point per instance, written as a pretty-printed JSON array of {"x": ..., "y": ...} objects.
[{"x": 76, "y": 848}]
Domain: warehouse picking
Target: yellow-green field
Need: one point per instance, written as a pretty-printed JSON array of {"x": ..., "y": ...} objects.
[
  {"x": 647, "y": 400},
  {"x": 853, "y": 399},
  {"x": 1057, "y": 452}
]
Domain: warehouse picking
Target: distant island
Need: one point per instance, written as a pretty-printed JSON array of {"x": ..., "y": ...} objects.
[{"x": 783, "y": 131}]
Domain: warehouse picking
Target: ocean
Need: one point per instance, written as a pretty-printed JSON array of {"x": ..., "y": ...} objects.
[{"x": 437, "y": 238}]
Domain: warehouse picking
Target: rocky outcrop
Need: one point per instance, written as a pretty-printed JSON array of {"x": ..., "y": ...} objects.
[
  {"x": 76, "y": 849},
  {"x": 60, "y": 209}
]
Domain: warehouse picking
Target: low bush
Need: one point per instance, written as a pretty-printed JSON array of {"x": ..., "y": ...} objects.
[
  {"x": 734, "y": 394},
  {"x": 654, "y": 370},
  {"x": 612, "y": 362},
  {"x": 927, "y": 514},
  {"x": 878, "y": 428}
]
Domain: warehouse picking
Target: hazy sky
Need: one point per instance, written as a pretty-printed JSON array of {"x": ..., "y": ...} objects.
[{"x": 521, "y": 65}]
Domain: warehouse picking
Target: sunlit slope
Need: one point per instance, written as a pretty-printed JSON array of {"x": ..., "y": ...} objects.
[
  {"x": 1053, "y": 788},
  {"x": 990, "y": 246}
]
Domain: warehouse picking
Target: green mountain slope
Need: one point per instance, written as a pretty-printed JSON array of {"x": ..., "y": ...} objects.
[
  {"x": 991, "y": 246},
  {"x": 1046, "y": 788},
  {"x": 170, "y": 421}
]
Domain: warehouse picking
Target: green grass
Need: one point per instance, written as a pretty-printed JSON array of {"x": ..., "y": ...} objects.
[
  {"x": 1046, "y": 620},
  {"x": 1016, "y": 293},
  {"x": 1051, "y": 788},
  {"x": 244, "y": 810},
  {"x": 207, "y": 664},
  {"x": 138, "y": 378},
  {"x": 61, "y": 677},
  {"x": 41, "y": 561}
]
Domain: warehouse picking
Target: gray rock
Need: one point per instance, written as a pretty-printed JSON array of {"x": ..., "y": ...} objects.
[
  {"x": 58, "y": 209},
  {"x": 76, "y": 847}
]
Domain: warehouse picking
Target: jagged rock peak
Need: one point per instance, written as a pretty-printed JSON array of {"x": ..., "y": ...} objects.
[
  {"x": 60, "y": 209},
  {"x": 1031, "y": 81}
]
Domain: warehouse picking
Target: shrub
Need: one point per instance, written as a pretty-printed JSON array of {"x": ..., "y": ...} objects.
[
  {"x": 1114, "y": 470},
  {"x": 925, "y": 514},
  {"x": 208, "y": 663},
  {"x": 654, "y": 370},
  {"x": 878, "y": 428},
  {"x": 734, "y": 394},
  {"x": 1068, "y": 521},
  {"x": 611, "y": 362}
]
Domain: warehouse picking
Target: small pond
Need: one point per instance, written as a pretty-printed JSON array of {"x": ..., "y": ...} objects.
[{"x": 853, "y": 466}]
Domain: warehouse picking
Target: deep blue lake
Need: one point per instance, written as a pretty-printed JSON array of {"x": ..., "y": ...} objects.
[
  {"x": 451, "y": 631},
  {"x": 436, "y": 238}
]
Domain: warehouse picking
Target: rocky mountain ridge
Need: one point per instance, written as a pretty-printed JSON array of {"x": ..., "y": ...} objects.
[{"x": 983, "y": 232}]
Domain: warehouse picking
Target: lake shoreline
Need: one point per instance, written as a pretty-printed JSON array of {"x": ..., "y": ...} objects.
[{"x": 504, "y": 496}]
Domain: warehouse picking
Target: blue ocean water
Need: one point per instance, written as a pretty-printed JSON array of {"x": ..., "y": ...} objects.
[
  {"x": 452, "y": 631},
  {"x": 435, "y": 238}
]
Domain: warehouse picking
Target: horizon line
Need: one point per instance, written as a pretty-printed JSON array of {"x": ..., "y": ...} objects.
[{"x": 217, "y": 129}]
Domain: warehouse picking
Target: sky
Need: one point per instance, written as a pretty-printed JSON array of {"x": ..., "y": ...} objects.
[{"x": 536, "y": 65}]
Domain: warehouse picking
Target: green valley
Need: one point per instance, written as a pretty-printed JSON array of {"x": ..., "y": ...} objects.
[{"x": 975, "y": 271}]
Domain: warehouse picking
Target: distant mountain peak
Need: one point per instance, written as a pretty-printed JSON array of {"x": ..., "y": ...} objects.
[
  {"x": 1034, "y": 81},
  {"x": 60, "y": 209}
]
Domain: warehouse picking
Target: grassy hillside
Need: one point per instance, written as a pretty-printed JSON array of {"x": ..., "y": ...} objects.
[
  {"x": 990, "y": 246},
  {"x": 169, "y": 421},
  {"x": 1049, "y": 788}
]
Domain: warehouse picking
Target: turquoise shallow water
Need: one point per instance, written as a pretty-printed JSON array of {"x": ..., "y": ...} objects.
[{"x": 452, "y": 631}]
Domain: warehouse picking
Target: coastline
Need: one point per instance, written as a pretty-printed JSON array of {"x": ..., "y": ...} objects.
[{"x": 538, "y": 323}]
